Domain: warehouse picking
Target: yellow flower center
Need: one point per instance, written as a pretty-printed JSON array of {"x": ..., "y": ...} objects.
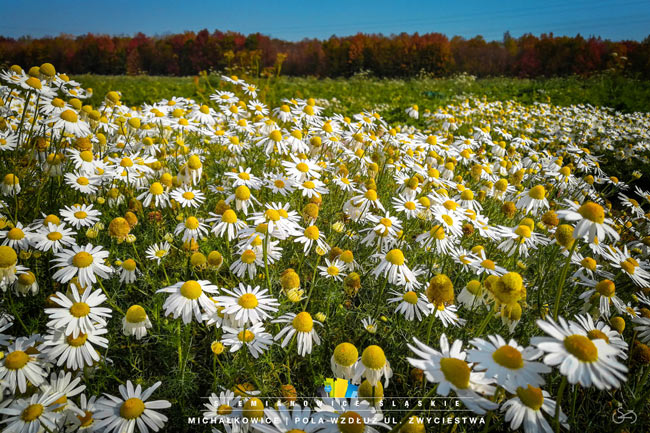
[
  {"x": 537, "y": 192},
  {"x": 589, "y": 263},
  {"x": 450, "y": 205},
  {"x": 411, "y": 297},
  {"x": 248, "y": 301},
  {"x": 224, "y": 409},
  {"x": 80, "y": 214},
  {"x": 523, "y": 231},
  {"x": 191, "y": 289},
  {"x": 136, "y": 314},
  {"x": 80, "y": 309},
  {"x": 303, "y": 322},
  {"x": 16, "y": 360},
  {"x": 373, "y": 357},
  {"x": 129, "y": 265},
  {"x": 86, "y": 156},
  {"x": 15, "y": 234},
  {"x": 593, "y": 212},
  {"x": 126, "y": 162},
  {"x": 192, "y": 223},
  {"x": 628, "y": 266},
  {"x": 132, "y": 408},
  {"x": 488, "y": 264},
  {"x": 467, "y": 195},
  {"x": 395, "y": 257},
  {"x": 346, "y": 354},
  {"x": 509, "y": 357},
  {"x": 248, "y": 257},
  {"x": 82, "y": 180},
  {"x": 194, "y": 162},
  {"x": 229, "y": 216},
  {"x": 62, "y": 401},
  {"x": 456, "y": 371},
  {"x": 531, "y": 397},
  {"x": 371, "y": 195},
  {"x": 76, "y": 342},
  {"x": 312, "y": 233},
  {"x": 333, "y": 270},
  {"x": 32, "y": 412},
  {"x": 242, "y": 193},
  {"x": 581, "y": 347},
  {"x": 272, "y": 215},
  {"x": 82, "y": 259},
  {"x": 606, "y": 288},
  {"x": 597, "y": 334},
  {"x": 188, "y": 195},
  {"x": 276, "y": 135},
  {"x": 246, "y": 336},
  {"x": 350, "y": 422},
  {"x": 253, "y": 408},
  {"x": 69, "y": 116},
  {"x": 8, "y": 257},
  {"x": 86, "y": 420}
]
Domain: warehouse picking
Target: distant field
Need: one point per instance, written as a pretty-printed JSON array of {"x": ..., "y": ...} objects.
[{"x": 390, "y": 96}]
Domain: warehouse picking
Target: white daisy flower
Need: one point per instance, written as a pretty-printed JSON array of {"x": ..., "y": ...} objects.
[
  {"x": 77, "y": 313},
  {"x": 579, "y": 358},
  {"x": 19, "y": 366},
  {"x": 84, "y": 262},
  {"x": 136, "y": 322},
  {"x": 189, "y": 298},
  {"x": 75, "y": 353},
  {"x": 302, "y": 326},
  {"x": 32, "y": 415},
  {"x": 158, "y": 251},
  {"x": 509, "y": 364},
  {"x": 247, "y": 304},
  {"x": 450, "y": 371},
  {"x": 592, "y": 222},
  {"x": 80, "y": 216},
  {"x": 255, "y": 338},
  {"x": 411, "y": 304},
  {"x": 528, "y": 406},
  {"x": 130, "y": 410}
]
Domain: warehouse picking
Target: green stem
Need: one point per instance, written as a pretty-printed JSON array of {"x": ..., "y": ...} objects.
[
  {"x": 557, "y": 404},
  {"x": 485, "y": 321},
  {"x": 412, "y": 412},
  {"x": 558, "y": 294}
]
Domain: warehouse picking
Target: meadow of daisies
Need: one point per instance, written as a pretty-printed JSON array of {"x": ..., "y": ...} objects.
[{"x": 220, "y": 260}]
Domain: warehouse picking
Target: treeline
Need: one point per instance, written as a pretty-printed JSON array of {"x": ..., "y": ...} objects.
[{"x": 400, "y": 55}]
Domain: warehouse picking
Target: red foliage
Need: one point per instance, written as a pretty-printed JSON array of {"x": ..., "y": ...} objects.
[{"x": 400, "y": 55}]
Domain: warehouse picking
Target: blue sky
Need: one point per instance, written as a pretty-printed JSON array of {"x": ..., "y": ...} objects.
[{"x": 295, "y": 20}]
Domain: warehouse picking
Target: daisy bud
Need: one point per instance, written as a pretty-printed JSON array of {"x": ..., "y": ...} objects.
[
  {"x": 321, "y": 317},
  {"x": 198, "y": 260},
  {"x": 215, "y": 259},
  {"x": 440, "y": 290},
  {"x": 253, "y": 409},
  {"x": 509, "y": 209},
  {"x": 415, "y": 424},
  {"x": 217, "y": 348},
  {"x": 617, "y": 323},
  {"x": 641, "y": 353},
  {"x": 289, "y": 394},
  {"x": 119, "y": 228},
  {"x": 366, "y": 392},
  {"x": 509, "y": 289},
  {"x": 289, "y": 279},
  {"x": 352, "y": 284},
  {"x": 564, "y": 235}
]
